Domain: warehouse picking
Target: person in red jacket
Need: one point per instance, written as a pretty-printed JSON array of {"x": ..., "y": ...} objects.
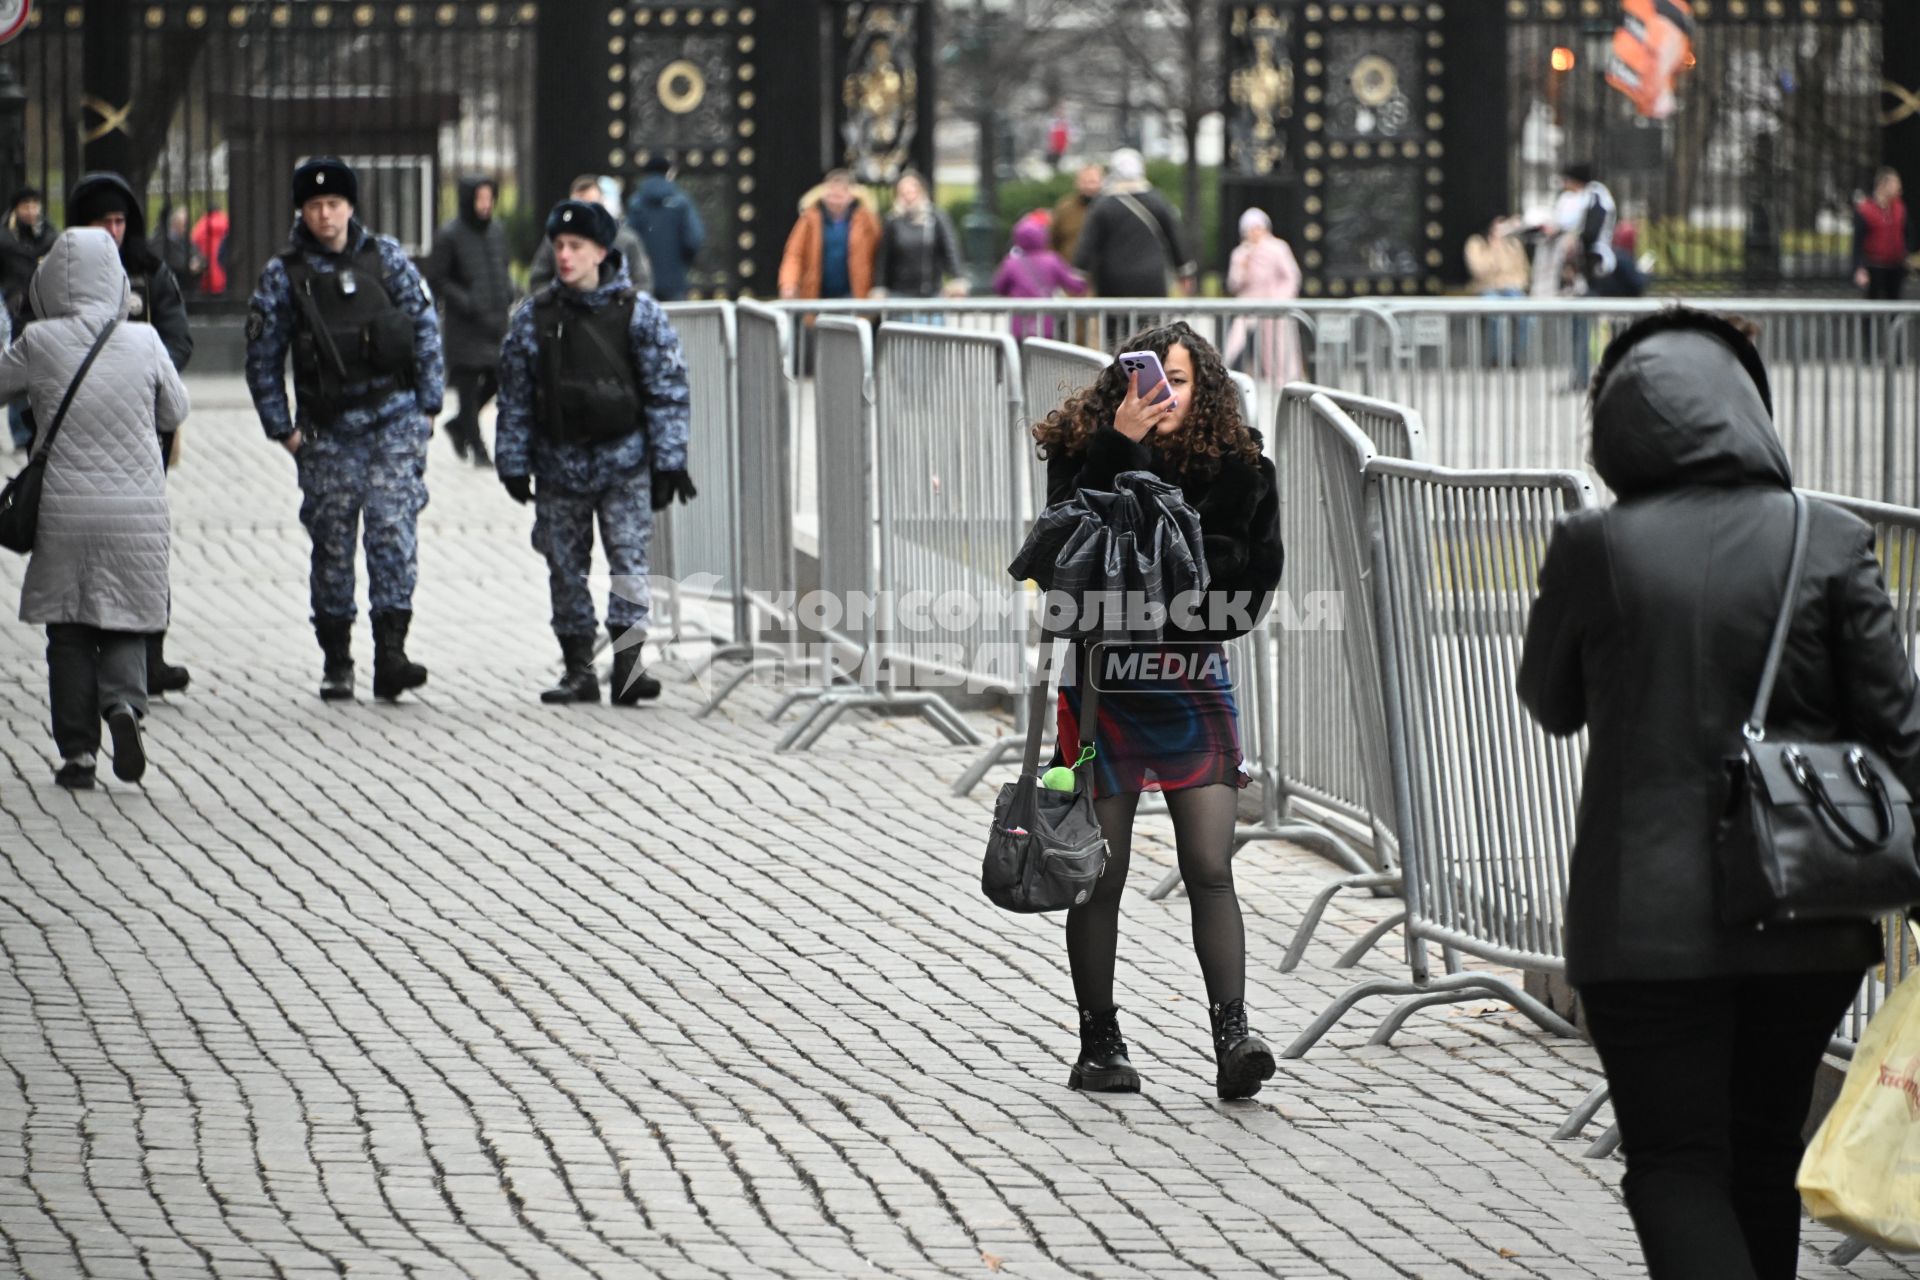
[
  {"x": 209, "y": 237},
  {"x": 1880, "y": 239}
]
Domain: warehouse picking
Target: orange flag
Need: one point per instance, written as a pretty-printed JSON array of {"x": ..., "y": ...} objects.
[{"x": 1651, "y": 45}]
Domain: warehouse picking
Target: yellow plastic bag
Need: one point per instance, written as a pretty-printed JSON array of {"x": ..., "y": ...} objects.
[{"x": 1861, "y": 1173}]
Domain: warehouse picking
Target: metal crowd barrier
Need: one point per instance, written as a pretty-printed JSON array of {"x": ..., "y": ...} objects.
[
  {"x": 700, "y": 538},
  {"x": 1348, "y": 340},
  {"x": 1319, "y": 741},
  {"x": 1051, "y": 373},
  {"x": 1484, "y": 801},
  {"x": 1503, "y": 382},
  {"x": 1296, "y": 727},
  {"x": 1896, "y": 533},
  {"x": 847, "y": 446},
  {"x": 955, "y": 498},
  {"x": 763, "y": 495},
  {"x": 1340, "y": 454}
]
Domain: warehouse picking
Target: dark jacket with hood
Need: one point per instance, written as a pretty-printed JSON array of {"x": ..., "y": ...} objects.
[
  {"x": 1239, "y": 509},
  {"x": 1650, "y": 631},
  {"x": 157, "y": 298},
  {"x": 670, "y": 229},
  {"x": 468, "y": 272},
  {"x": 21, "y": 248}
]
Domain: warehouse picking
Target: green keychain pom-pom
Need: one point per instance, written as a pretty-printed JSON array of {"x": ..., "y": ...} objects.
[{"x": 1058, "y": 778}]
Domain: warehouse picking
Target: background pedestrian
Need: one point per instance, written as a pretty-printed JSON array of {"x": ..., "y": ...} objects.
[{"x": 98, "y": 576}]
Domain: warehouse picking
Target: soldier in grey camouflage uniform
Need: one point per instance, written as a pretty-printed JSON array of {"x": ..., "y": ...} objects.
[
  {"x": 593, "y": 406},
  {"x": 369, "y": 376}
]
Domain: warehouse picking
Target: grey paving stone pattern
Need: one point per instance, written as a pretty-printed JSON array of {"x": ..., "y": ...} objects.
[{"x": 472, "y": 986}]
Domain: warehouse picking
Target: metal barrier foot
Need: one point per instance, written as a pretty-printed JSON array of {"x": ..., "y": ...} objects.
[
  {"x": 1464, "y": 986},
  {"x": 1355, "y": 953},
  {"x": 1583, "y": 1114},
  {"x": 997, "y": 750},
  {"x": 819, "y": 724},
  {"x": 1304, "y": 834},
  {"x": 805, "y": 723},
  {"x": 1313, "y": 837},
  {"x": 1342, "y": 1005},
  {"x": 930, "y": 707},
  {"x": 1604, "y": 1145},
  {"x": 724, "y": 653},
  {"x": 1315, "y": 910},
  {"x": 1846, "y": 1254},
  {"x": 798, "y": 695},
  {"x": 946, "y": 716}
]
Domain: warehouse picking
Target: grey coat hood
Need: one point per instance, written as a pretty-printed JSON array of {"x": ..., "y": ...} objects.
[
  {"x": 81, "y": 276},
  {"x": 1678, "y": 410}
]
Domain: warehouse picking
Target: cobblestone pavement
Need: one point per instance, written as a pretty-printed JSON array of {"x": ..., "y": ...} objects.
[{"x": 474, "y": 986}]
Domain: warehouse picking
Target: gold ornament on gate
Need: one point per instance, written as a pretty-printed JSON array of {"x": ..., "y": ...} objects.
[
  {"x": 1374, "y": 80},
  {"x": 681, "y": 86}
]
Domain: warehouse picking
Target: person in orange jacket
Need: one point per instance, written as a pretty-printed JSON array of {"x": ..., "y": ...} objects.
[{"x": 830, "y": 252}]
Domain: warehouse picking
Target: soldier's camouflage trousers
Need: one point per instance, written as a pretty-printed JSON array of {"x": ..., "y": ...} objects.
[
  {"x": 563, "y": 533},
  {"x": 380, "y": 474}
]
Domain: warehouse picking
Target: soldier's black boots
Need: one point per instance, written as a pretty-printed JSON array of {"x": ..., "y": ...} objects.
[
  {"x": 163, "y": 677},
  {"x": 1242, "y": 1060},
  {"x": 577, "y": 682},
  {"x": 336, "y": 643},
  {"x": 629, "y": 684},
  {"x": 393, "y": 674},
  {"x": 1103, "y": 1066}
]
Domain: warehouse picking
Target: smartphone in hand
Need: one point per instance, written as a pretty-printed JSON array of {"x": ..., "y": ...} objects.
[{"x": 1143, "y": 367}]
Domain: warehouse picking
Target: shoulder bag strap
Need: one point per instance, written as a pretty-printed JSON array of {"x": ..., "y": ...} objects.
[
  {"x": 79, "y": 376},
  {"x": 1037, "y": 708},
  {"x": 1172, "y": 268},
  {"x": 1755, "y": 728}
]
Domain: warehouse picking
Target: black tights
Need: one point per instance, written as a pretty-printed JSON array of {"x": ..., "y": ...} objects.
[{"x": 1203, "y": 819}]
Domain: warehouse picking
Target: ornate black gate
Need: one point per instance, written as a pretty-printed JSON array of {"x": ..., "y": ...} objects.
[
  {"x": 734, "y": 95},
  {"x": 1336, "y": 119}
]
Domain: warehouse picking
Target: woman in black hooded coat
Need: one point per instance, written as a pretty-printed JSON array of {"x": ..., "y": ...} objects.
[{"x": 1650, "y": 631}]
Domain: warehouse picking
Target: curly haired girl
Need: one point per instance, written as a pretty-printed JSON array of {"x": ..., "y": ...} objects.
[{"x": 1176, "y": 734}]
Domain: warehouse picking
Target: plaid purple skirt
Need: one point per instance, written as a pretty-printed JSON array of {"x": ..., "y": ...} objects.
[{"x": 1162, "y": 725}]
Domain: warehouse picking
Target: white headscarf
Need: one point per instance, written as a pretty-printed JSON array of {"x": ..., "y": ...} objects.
[
  {"x": 1127, "y": 165},
  {"x": 1254, "y": 218}
]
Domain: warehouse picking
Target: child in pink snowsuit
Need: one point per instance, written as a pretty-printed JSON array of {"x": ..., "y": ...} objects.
[{"x": 1031, "y": 269}]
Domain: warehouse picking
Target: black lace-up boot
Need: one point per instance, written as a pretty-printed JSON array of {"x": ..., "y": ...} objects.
[
  {"x": 1103, "y": 1066},
  {"x": 1243, "y": 1061}
]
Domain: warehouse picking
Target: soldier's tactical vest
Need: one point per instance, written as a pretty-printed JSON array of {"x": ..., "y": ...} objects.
[
  {"x": 588, "y": 392},
  {"x": 348, "y": 332}
]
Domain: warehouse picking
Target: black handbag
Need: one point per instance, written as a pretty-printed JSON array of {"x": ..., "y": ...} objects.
[
  {"x": 1137, "y": 546},
  {"x": 1045, "y": 850},
  {"x": 20, "y": 500},
  {"x": 1811, "y": 830}
]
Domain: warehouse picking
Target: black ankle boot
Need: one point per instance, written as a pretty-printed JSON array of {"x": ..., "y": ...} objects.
[
  {"x": 478, "y": 447},
  {"x": 629, "y": 684},
  {"x": 393, "y": 674},
  {"x": 1243, "y": 1061},
  {"x": 1103, "y": 1066},
  {"x": 577, "y": 682},
  {"x": 162, "y": 676},
  {"x": 336, "y": 644}
]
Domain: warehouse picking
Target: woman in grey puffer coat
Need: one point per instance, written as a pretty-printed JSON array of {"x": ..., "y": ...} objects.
[{"x": 97, "y": 579}]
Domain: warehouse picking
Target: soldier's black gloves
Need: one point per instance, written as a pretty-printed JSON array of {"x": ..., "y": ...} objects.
[
  {"x": 519, "y": 488},
  {"x": 669, "y": 484}
]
